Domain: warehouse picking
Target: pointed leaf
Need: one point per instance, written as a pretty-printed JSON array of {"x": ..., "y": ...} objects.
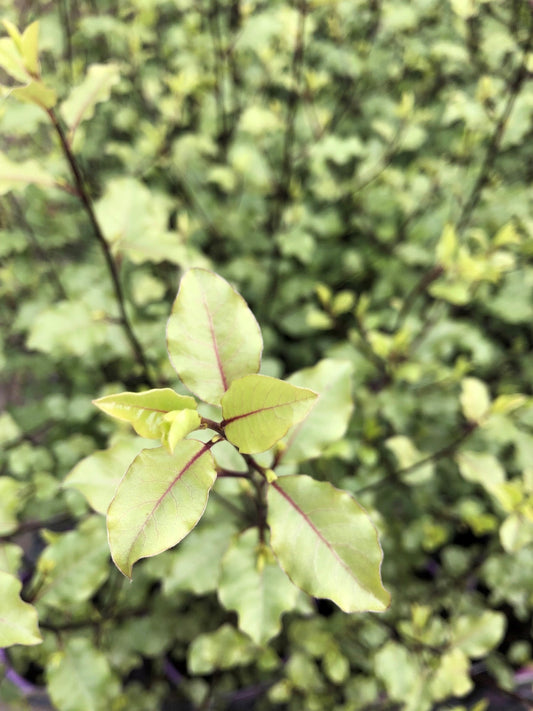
[
  {"x": 36, "y": 93},
  {"x": 213, "y": 337},
  {"x": 98, "y": 475},
  {"x": 328, "y": 419},
  {"x": 325, "y": 542},
  {"x": 145, "y": 411},
  {"x": 96, "y": 87},
  {"x": 30, "y": 48},
  {"x": 79, "y": 677},
  {"x": 253, "y": 584},
  {"x": 258, "y": 410},
  {"x": 11, "y": 60},
  {"x": 159, "y": 501},
  {"x": 18, "y": 619}
]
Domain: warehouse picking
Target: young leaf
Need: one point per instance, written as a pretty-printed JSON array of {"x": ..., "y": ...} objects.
[
  {"x": 326, "y": 543},
  {"x": 180, "y": 423},
  {"x": 253, "y": 584},
  {"x": 330, "y": 413},
  {"x": 18, "y": 619},
  {"x": 146, "y": 411},
  {"x": 16, "y": 176},
  {"x": 258, "y": 410},
  {"x": 96, "y": 87},
  {"x": 159, "y": 501},
  {"x": 29, "y": 42},
  {"x": 212, "y": 336}
]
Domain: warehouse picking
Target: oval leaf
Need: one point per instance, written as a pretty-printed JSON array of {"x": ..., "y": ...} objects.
[
  {"x": 258, "y": 410},
  {"x": 146, "y": 411},
  {"x": 18, "y": 619},
  {"x": 212, "y": 336},
  {"x": 159, "y": 501},
  {"x": 326, "y": 543},
  {"x": 253, "y": 584},
  {"x": 330, "y": 414}
]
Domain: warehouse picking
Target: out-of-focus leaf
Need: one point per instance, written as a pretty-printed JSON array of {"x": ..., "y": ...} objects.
[
  {"x": 475, "y": 399},
  {"x": 95, "y": 88},
  {"x": 17, "y": 176},
  {"x": 224, "y": 649},
  {"x": 18, "y": 619}
]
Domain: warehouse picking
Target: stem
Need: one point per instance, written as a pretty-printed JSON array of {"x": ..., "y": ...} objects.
[{"x": 111, "y": 266}]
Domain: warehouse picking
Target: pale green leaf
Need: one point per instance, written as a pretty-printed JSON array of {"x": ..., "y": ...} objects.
[
  {"x": 477, "y": 634},
  {"x": 10, "y": 558},
  {"x": 408, "y": 455},
  {"x": 475, "y": 399},
  {"x": 194, "y": 565},
  {"x": 481, "y": 468},
  {"x": 224, "y": 649},
  {"x": 30, "y": 48},
  {"x": 9, "y": 429},
  {"x": 447, "y": 246},
  {"x": 16, "y": 176},
  {"x": 95, "y": 88},
  {"x": 11, "y": 501},
  {"x": 159, "y": 501},
  {"x": 253, "y": 584},
  {"x": 180, "y": 423},
  {"x": 326, "y": 543},
  {"x": 516, "y": 532},
  {"x": 398, "y": 669},
  {"x": 328, "y": 419},
  {"x": 79, "y": 677},
  {"x": 145, "y": 411},
  {"x": 212, "y": 336},
  {"x": 452, "y": 677},
  {"x": 258, "y": 410},
  {"x": 74, "y": 565},
  {"x": 98, "y": 475},
  {"x": 11, "y": 60},
  {"x": 36, "y": 93},
  {"x": 18, "y": 619}
]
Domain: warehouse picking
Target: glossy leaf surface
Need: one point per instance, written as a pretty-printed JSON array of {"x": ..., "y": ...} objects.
[
  {"x": 18, "y": 619},
  {"x": 328, "y": 419},
  {"x": 212, "y": 336},
  {"x": 253, "y": 584},
  {"x": 145, "y": 411},
  {"x": 160, "y": 499},
  {"x": 258, "y": 410},
  {"x": 326, "y": 543}
]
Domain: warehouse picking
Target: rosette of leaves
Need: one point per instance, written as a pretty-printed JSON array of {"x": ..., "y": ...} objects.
[{"x": 302, "y": 533}]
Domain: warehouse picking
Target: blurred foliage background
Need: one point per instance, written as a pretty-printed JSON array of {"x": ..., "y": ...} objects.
[{"x": 361, "y": 171}]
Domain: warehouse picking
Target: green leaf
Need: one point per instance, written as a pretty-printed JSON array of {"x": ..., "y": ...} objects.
[
  {"x": 326, "y": 543},
  {"x": 36, "y": 93},
  {"x": 30, "y": 48},
  {"x": 159, "y": 501},
  {"x": 516, "y": 532},
  {"x": 477, "y": 634},
  {"x": 258, "y": 410},
  {"x": 212, "y": 336},
  {"x": 16, "y": 176},
  {"x": 224, "y": 649},
  {"x": 452, "y": 677},
  {"x": 98, "y": 475},
  {"x": 10, "y": 558},
  {"x": 179, "y": 424},
  {"x": 11, "y": 60},
  {"x": 74, "y": 565},
  {"x": 331, "y": 411},
  {"x": 95, "y": 88},
  {"x": 11, "y": 502},
  {"x": 475, "y": 399},
  {"x": 18, "y": 619},
  {"x": 146, "y": 411},
  {"x": 481, "y": 468},
  {"x": 408, "y": 455},
  {"x": 253, "y": 584},
  {"x": 79, "y": 677}
]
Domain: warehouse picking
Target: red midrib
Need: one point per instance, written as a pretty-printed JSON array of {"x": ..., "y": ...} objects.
[{"x": 215, "y": 344}]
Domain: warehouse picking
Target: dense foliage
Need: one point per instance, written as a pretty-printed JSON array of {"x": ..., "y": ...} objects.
[{"x": 360, "y": 171}]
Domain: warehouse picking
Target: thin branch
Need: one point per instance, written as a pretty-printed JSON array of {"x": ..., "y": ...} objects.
[
  {"x": 110, "y": 262},
  {"x": 442, "y": 453},
  {"x": 495, "y": 141}
]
